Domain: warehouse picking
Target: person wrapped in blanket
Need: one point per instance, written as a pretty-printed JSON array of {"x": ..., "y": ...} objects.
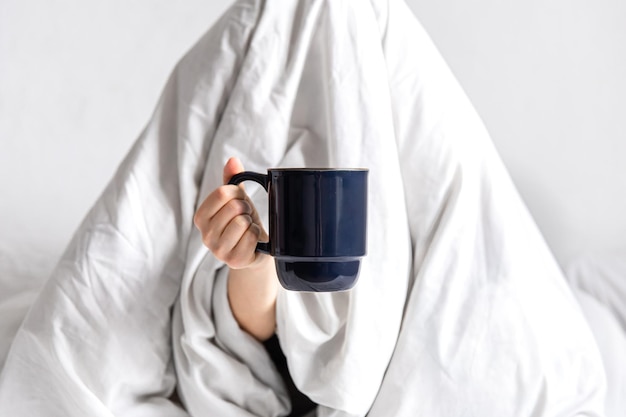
[{"x": 460, "y": 308}]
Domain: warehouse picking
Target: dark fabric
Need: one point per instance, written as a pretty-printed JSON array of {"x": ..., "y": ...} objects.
[{"x": 300, "y": 403}]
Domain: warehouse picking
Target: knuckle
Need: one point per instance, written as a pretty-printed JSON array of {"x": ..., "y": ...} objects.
[
  {"x": 232, "y": 259},
  {"x": 243, "y": 221},
  {"x": 243, "y": 254},
  {"x": 197, "y": 219},
  {"x": 237, "y": 206},
  {"x": 252, "y": 235},
  {"x": 206, "y": 241},
  {"x": 221, "y": 254},
  {"x": 211, "y": 239},
  {"x": 234, "y": 207},
  {"x": 221, "y": 191},
  {"x": 256, "y": 229},
  {"x": 209, "y": 243},
  {"x": 206, "y": 237}
]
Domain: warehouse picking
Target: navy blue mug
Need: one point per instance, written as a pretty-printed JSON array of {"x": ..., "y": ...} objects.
[{"x": 317, "y": 225}]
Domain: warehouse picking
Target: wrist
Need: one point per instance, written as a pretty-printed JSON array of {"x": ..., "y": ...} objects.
[{"x": 252, "y": 293}]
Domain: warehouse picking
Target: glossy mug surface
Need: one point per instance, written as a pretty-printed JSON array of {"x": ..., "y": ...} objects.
[{"x": 317, "y": 225}]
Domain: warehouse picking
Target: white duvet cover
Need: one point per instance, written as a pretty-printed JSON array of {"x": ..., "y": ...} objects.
[
  {"x": 599, "y": 283},
  {"x": 460, "y": 309}
]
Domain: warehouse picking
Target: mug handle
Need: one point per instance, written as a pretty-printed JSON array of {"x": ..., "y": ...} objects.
[{"x": 263, "y": 179}]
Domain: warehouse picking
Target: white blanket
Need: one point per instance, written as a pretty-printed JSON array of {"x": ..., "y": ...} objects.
[
  {"x": 460, "y": 308},
  {"x": 599, "y": 283}
]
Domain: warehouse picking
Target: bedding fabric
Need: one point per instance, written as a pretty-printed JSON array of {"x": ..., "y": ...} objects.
[
  {"x": 599, "y": 284},
  {"x": 460, "y": 309}
]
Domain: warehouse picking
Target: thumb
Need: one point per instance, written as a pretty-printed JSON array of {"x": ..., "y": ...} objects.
[{"x": 233, "y": 166}]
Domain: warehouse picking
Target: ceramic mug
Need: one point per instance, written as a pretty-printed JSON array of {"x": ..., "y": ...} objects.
[{"x": 317, "y": 225}]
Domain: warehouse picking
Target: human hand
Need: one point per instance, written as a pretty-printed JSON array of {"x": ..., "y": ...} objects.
[
  {"x": 230, "y": 224},
  {"x": 230, "y": 228}
]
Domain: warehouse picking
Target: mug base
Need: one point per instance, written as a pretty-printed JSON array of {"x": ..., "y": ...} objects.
[{"x": 328, "y": 275}]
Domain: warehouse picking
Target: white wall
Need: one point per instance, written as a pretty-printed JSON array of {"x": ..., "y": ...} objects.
[
  {"x": 549, "y": 80},
  {"x": 79, "y": 79}
]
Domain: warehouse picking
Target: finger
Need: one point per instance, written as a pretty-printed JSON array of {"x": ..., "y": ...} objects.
[
  {"x": 244, "y": 253},
  {"x": 216, "y": 225},
  {"x": 215, "y": 202},
  {"x": 238, "y": 242},
  {"x": 256, "y": 218},
  {"x": 233, "y": 166}
]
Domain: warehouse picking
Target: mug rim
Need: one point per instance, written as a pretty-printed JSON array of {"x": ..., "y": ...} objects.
[{"x": 320, "y": 169}]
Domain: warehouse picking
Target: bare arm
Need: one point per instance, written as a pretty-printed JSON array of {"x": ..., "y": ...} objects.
[
  {"x": 252, "y": 297},
  {"x": 231, "y": 228}
]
